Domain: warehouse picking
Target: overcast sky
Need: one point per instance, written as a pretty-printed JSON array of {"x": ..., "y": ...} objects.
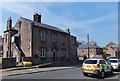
[{"x": 98, "y": 19}]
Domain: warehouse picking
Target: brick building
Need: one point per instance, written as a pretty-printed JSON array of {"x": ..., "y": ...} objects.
[
  {"x": 94, "y": 50},
  {"x": 38, "y": 42}
]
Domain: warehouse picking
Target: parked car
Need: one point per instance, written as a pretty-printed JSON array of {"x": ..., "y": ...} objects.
[
  {"x": 96, "y": 66},
  {"x": 115, "y": 63}
]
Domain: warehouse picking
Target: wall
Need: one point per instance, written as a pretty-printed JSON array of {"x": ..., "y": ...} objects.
[
  {"x": 81, "y": 52},
  {"x": 38, "y": 44},
  {"x": 25, "y": 37},
  {"x": 111, "y": 52},
  {"x": 8, "y": 62}
]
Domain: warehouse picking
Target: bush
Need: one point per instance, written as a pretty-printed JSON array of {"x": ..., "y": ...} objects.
[{"x": 105, "y": 55}]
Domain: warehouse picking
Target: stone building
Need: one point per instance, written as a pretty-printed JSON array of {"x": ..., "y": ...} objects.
[
  {"x": 1, "y": 46},
  {"x": 113, "y": 50},
  {"x": 38, "y": 42},
  {"x": 92, "y": 48}
]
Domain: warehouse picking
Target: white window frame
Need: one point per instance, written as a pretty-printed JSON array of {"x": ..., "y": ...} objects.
[{"x": 43, "y": 52}]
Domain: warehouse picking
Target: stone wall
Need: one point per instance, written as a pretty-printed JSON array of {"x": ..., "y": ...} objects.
[{"x": 8, "y": 62}]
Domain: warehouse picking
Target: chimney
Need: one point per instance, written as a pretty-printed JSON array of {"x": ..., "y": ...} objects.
[
  {"x": 37, "y": 17},
  {"x": 9, "y": 23},
  {"x": 68, "y": 30}
]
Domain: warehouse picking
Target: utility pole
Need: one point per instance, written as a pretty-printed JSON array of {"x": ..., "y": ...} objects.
[{"x": 88, "y": 44}]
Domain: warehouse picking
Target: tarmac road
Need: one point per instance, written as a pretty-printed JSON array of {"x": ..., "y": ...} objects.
[{"x": 74, "y": 73}]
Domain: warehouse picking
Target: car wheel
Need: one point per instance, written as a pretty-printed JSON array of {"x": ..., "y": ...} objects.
[
  {"x": 102, "y": 74},
  {"x": 85, "y": 74},
  {"x": 111, "y": 72}
]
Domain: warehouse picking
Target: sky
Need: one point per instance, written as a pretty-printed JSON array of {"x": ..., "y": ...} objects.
[{"x": 98, "y": 19}]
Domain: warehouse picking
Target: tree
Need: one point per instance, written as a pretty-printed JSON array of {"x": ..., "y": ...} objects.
[{"x": 105, "y": 55}]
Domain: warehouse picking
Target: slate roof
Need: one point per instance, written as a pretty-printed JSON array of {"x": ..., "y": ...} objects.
[
  {"x": 84, "y": 46},
  {"x": 42, "y": 25}
]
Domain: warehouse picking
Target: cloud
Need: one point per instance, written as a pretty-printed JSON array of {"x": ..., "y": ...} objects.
[
  {"x": 23, "y": 9},
  {"x": 60, "y": 1},
  {"x": 27, "y": 9}
]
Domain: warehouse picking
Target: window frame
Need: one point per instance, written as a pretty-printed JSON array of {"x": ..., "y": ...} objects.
[
  {"x": 43, "y": 52},
  {"x": 63, "y": 52},
  {"x": 54, "y": 37},
  {"x": 43, "y": 35},
  {"x": 63, "y": 39}
]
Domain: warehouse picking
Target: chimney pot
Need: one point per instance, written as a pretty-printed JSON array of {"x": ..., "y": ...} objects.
[
  {"x": 9, "y": 23},
  {"x": 37, "y": 17}
]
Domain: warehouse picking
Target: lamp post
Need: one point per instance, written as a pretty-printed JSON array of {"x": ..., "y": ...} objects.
[{"x": 88, "y": 44}]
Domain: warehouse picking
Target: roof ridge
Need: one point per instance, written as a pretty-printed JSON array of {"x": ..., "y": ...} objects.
[{"x": 45, "y": 25}]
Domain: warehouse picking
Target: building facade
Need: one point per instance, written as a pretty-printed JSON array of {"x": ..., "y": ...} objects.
[
  {"x": 1, "y": 46},
  {"x": 92, "y": 48},
  {"x": 113, "y": 50},
  {"x": 39, "y": 42}
]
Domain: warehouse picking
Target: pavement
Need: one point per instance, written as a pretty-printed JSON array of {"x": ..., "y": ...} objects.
[{"x": 32, "y": 69}]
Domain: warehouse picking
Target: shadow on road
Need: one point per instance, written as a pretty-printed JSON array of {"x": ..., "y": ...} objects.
[
  {"x": 110, "y": 76},
  {"x": 107, "y": 76}
]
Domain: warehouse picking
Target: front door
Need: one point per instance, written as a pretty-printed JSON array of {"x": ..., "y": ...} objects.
[{"x": 53, "y": 56}]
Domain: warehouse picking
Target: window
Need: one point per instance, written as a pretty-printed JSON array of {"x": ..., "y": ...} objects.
[
  {"x": 102, "y": 62},
  {"x": 63, "y": 52},
  {"x": 6, "y": 38},
  {"x": 43, "y": 52},
  {"x": 7, "y": 54},
  {"x": 36, "y": 56},
  {"x": 42, "y": 35},
  {"x": 54, "y": 37},
  {"x": 113, "y": 61},
  {"x": 82, "y": 50},
  {"x": 90, "y": 62},
  {"x": 62, "y": 39}
]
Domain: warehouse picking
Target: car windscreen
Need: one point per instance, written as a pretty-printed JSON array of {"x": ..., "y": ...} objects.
[
  {"x": 113, "y": 61},
  {"x": 90, "y": 62}
]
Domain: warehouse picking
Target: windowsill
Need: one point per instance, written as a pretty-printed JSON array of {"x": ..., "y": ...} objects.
[
  {"x": 43, "y": 41},
  {"x": 54, "y": 42},
  {"x": 43, "y": 57}
]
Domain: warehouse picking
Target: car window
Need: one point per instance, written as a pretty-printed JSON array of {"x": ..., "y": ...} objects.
[
  {"x": 90, "y": 62},
  {"x": 108, "y": 61},
  {"x": 113, "y": 61},
  {"x": 102, "y": 62}
]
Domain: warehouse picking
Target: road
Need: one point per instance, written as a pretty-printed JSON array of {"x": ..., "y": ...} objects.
[{"x": 75, "y": 73}]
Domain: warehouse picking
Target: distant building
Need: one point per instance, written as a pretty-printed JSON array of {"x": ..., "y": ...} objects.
[
  {"x": 94, "y": 49},
  {"x": 1, "y": 46},
  {"x": 38, "y": 42},
  {"x": 113, "y": 49}
]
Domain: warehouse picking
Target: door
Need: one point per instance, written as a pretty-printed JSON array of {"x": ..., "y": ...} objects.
[
  {"x": 108, "y": 67},
  {"x": 53, "y": 56}
]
